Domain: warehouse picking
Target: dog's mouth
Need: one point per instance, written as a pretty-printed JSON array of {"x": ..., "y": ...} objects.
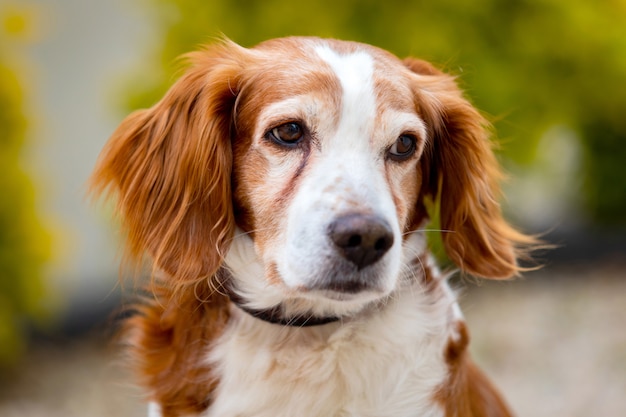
[
  {"x": 342, "y": 288},
  {"x": 340, "y": 295},
  {"x": 345, "y": 288}
]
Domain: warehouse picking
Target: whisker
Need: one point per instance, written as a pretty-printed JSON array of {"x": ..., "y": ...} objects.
[
  {"x": 428, "y": 231},
  {"x": 248, "y": 232}
]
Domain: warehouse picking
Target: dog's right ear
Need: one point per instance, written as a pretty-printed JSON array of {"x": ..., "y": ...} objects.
[{"x": 170, "y": 168}]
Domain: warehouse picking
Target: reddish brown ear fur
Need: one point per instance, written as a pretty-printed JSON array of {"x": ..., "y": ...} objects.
[
  {"x": 460, "y": 167},
  {"x": 170, "y": 168}
]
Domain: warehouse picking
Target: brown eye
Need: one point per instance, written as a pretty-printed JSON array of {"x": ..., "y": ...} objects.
[
  {"x": 403, "y": 148},
  {"x": 287, "y": 134}
]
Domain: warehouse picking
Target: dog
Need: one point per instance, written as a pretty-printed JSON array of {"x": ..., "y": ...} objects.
[{"x": 279, "y": 195}]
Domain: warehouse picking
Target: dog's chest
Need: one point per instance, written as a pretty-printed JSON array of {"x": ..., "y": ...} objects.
[{"x": 388, "y": 365}]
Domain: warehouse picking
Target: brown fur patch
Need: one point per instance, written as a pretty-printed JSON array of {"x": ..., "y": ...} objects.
[
  {"x": 468, "y": 392},
  {"x": 168, "y": 339},
  {"x": 272, "y": 275},
  {"x": 429, "y": 280}
]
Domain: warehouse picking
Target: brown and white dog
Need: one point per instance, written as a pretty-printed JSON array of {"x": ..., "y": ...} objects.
[{"x": 278, "y": 193}]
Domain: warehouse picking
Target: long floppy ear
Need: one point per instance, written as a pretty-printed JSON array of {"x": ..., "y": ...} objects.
[
  {"x": 460, "y": 168},
  {"x": 170, "y": 167}
]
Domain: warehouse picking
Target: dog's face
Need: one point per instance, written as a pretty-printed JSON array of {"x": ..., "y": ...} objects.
[
  {"x": 325, "y": 171},
  {"x": 304, "y": 163}
]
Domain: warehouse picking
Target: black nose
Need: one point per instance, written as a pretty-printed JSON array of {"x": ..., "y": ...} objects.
[{"x": 361, "y": 238}]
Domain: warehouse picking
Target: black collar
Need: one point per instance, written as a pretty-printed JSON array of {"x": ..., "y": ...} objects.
[{"x": 274, "y": 315}]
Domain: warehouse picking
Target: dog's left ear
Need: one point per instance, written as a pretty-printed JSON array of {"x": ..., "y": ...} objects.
[{"x": 460, "y": 168}]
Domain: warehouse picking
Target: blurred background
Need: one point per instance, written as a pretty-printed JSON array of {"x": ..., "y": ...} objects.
[{"x": 550, "y": 74}]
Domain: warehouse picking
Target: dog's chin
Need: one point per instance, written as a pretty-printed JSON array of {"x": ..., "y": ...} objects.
[
  {"x": 340, "y": 297},
  {"x": 351, "y": 297},
  {"x": 337, "y": 287},
  {"x": 331, "y": 303}
]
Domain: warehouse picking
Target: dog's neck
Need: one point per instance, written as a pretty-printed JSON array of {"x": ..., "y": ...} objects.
[
  {"x": 275, "y": 315},
  {"x": 388, "y": 355}
]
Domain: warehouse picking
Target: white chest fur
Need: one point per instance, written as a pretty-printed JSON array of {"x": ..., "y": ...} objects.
[{"x": 385, "y": 363}]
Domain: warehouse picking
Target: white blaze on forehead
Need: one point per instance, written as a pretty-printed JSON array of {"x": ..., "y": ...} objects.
[
  {"x": 360, "y": 108},
  {"x": 355, "y": 73},
  {"x": 353, "y": 70},
  {"x": 349, "y": 168}
]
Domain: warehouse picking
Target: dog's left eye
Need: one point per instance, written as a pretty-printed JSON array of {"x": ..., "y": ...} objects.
[
  {"x": 287, "y": 134},
  {"x": 403, "y": 148}
]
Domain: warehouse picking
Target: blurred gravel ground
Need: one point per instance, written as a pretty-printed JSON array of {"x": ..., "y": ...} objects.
[{"x": 554, "y": 342}]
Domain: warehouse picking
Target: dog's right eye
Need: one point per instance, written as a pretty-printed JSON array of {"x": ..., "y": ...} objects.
[
  {"x": 403, "y": 148},
  {"x": 288, "y": 134}
]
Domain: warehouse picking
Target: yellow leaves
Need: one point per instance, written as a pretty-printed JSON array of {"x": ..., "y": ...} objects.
[
  {"x": 20, "y": 22},
  {"x": 24, "y": 243}
]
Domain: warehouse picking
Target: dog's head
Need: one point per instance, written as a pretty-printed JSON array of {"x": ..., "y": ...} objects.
[{"x": 302, "y": 165}]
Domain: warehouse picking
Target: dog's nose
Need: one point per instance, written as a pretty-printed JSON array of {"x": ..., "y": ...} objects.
[{"x": 361, "y": 238}]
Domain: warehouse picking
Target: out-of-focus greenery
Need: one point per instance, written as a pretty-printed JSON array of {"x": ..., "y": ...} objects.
[
  {"x": 531, "y": 64},
  {"x": 24, "y": 244}
]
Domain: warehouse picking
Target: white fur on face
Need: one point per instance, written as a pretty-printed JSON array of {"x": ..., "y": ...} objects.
[
  {"x": 348, "y": 176},
  {"x": 346, "y": 172}
]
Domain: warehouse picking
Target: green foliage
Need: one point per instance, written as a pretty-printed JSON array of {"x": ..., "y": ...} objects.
[
  {"x": 23, "y": 242},
  {"x": 606, "y": 164},
  {"x": 532, "y": 64}
]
